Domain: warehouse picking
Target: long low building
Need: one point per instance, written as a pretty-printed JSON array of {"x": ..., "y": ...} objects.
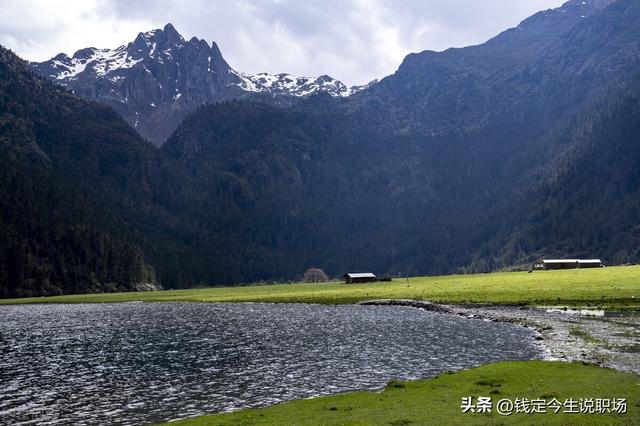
[
  {"x": 571, "y": 263},
  {"x": 359, "y": 277}
]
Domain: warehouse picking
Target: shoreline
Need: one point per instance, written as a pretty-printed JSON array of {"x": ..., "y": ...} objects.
[{"x": 611, "y": 342}]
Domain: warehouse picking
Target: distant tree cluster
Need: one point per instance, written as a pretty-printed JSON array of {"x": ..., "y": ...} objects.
[{"x": 315, "y": 275}]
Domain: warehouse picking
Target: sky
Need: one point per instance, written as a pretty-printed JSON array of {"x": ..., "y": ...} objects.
[{"x": 355, "y": 41}]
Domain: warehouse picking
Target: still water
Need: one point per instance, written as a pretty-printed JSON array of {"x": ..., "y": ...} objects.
[{"x": 139, "y": 363}]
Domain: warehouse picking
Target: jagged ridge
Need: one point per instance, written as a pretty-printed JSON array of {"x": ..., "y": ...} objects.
[{"x": 154, "y": 81}]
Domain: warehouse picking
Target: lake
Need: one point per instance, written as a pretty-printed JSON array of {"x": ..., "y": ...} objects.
[{"x": 139, "y": 363}]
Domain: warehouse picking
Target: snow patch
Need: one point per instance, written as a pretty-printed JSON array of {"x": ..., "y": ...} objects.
[
  {"x": 101, "y": 61},
  {"x": 290, "y": 85}
]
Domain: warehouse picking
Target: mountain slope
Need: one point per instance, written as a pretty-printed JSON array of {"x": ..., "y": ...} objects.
[
  {"x": 448, "y": 92},
  {"x": 154, "y": 81},
  {"x": 588, "y": 200},
  {"x": 65, "y": 166}
]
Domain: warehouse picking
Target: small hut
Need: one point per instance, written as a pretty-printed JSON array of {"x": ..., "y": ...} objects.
[{"x": 359, "y": 277}]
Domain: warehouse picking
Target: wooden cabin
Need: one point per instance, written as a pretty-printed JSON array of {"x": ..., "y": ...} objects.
[
  {"x": 359, "y": 277},
  {"x": 550, "y": 264}
]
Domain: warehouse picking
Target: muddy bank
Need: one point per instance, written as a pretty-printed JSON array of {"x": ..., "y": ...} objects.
[{"x": 609, "y": 341}]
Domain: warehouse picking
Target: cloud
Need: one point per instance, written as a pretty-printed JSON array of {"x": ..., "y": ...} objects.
[{"x": 353, "y": 40}]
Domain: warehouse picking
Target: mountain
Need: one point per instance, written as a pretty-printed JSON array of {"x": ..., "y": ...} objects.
[
  {"x": 157, "y": 79},
  {"x": 86, "y": 205},
  {"x": 71, "y": 173},
  {"x": 469, "y": 160},
  {"x": 444, "y": 165}
]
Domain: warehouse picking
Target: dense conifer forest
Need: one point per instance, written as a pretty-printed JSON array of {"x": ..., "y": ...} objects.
[{"x": 467, "y": 160}]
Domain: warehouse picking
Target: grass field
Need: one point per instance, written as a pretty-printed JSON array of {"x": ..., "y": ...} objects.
[
  {"x": 438, "y": 401},
  {"x": 614, "y": 287}
]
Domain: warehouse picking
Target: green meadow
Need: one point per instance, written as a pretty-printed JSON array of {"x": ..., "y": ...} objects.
[{"x": 613, "y": 288}]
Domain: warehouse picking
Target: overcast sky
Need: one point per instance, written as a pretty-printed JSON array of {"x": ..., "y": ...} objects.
[{"x": 352, "y": 40}]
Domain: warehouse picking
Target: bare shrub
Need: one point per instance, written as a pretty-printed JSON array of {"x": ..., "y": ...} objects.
[{"x": 315, "y": 275}]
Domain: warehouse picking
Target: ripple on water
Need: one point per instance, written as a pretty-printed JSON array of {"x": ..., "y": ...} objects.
[{"x": 142, "y": 363}]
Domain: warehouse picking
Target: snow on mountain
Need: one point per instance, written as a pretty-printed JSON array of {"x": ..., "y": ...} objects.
[
  {"x": 158, "y": 78},
  {"x": 287, "y": 84},
  {"x": 99, "y": 61}
]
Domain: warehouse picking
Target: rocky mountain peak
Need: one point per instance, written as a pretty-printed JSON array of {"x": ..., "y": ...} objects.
[
  {"x": 171, "y": 34},
  {"x": 158, "y": 40},
  {"x": 159, "y": 77}
]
